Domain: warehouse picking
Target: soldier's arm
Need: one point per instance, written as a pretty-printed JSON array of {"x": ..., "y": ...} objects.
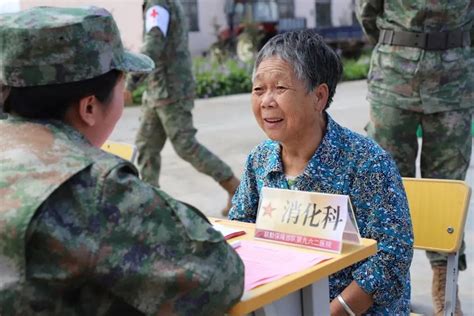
[
  {"x": 159, "y": 255},
  {"x": 153, "y": 45},
  {"x": 154, "y": 41},
  {"x": 367, "y": 12},
  {"x": 471, "y": 9}
]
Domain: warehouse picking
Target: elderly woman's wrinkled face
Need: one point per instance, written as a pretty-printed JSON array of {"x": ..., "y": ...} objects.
[{"x": 282, "y": 107}]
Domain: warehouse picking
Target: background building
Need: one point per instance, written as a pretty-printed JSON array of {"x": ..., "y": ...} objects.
[{"x": 203, "y": 16}]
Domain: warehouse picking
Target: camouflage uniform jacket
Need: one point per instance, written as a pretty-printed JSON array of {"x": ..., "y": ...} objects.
[
  {"x": 80, "y": 234},
  {"x": 172, "y": 78},
  {"x": 412, "y": 78}
]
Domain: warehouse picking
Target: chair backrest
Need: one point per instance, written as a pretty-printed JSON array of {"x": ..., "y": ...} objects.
[
  {"x": 123, "y": 150},
  {"x": 438, "y": 211}
]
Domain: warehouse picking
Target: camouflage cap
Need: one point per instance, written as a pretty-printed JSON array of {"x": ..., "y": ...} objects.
[{"x": 51, "y": 45}]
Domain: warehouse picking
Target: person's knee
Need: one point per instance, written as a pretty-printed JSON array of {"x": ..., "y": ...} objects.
[
  {"x": 150, "y": 146},
  {"x": 149, "y": 140},
  {"x": 186, "y": 148}
]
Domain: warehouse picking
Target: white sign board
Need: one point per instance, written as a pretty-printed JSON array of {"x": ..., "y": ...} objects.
[{"x": 309, "y": 219}]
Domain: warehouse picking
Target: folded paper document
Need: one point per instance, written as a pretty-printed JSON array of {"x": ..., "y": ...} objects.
[
  {"x": 228, "y": 232},
  {"x": 265, "y": 262}
]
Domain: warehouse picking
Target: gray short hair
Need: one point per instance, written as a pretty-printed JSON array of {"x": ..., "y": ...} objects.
[{"x": 313, "y": 61}]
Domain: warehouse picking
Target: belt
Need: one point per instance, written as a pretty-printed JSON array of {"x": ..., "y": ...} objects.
[{"x": 427, "y": 41}]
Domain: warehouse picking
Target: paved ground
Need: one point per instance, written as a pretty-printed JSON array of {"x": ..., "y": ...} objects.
[{"x": 227, "y": 127}]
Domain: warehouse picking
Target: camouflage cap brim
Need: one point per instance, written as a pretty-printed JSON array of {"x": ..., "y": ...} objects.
[
  {"x": 51, "y": 45},
  {"x": 134, "y": 62}
]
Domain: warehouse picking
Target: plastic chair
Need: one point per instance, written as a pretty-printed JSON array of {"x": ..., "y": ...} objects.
[
  {"x": 123, "y": 150},
  {"x": 438, "y": 211}
]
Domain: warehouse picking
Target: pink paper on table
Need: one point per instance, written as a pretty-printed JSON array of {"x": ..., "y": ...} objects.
[{"x": 265, "y": 262}]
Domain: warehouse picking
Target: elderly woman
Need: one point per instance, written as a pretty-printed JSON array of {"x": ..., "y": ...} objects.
[{"x": 294, "y": 81}]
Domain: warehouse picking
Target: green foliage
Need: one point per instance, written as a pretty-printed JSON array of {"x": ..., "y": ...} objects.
[
  {"x": 216, "y": 79},
  {"x": 137, "y": 94},
  {"x": 232, "y": 76},
  {"x": 356, "y": 69}
]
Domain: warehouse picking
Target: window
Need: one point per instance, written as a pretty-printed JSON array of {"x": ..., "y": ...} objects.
[
  {"x": 265, "y": 11},
  {"x": 323, "y": 13},
  {"x": 191, "y": 11},
  {"x": 286, "y": 8}
]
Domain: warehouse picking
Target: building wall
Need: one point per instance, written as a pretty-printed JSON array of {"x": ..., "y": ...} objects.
[
  {"x": 305, "y": 9},
  {"x": 211, "y": 14},
  {"x": 9, "y": 6},
  {"x": 341, "y": 12},
  {"x": 128, "y": 15}
]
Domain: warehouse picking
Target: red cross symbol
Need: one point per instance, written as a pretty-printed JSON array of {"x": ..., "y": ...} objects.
[{"x": 154, "y": 14}]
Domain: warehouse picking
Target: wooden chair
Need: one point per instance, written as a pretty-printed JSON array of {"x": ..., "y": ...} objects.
[
  {"x": 438, "y": 211},
  {"x": 123, "y": 150}
]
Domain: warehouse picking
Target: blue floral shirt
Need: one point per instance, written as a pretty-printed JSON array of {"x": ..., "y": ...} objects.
[{"x": 347, "y": 163}]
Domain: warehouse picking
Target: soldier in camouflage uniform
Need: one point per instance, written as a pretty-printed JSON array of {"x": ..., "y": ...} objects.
[
  {"x": 168, "y": 99},
  {"x": 80, "y": 233},
  {"x": 421, "y": 75}
]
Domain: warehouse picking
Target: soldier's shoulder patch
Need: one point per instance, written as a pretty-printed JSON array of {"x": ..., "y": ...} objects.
[{"x": 157, "y": 16}]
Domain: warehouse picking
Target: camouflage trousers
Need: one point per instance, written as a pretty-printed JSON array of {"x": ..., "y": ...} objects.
[
  {"x": 445, "y": 151},
  {"x": 174, "y": 121}
]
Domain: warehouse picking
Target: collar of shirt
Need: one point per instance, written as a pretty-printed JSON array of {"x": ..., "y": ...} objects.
[
  {"x": 324, "y": 158},
  {"x": 55, "y": 126}
]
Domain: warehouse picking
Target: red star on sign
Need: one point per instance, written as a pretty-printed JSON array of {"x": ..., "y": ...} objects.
[
  {"x": 154, "y": 14},
  {"x": 268, "y": 210}
]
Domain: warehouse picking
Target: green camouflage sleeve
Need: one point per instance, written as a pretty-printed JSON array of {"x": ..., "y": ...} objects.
[
  {"x": 134, "y": 246},
  {"x": 153, "y": 46},
  {"x": 133, "y": 81},
  {"x": 154, "y": 40},
  {"x": 367, "y": 12},
  {"x": 162, "y": 257},
  {"x": 471, "y": 10}
]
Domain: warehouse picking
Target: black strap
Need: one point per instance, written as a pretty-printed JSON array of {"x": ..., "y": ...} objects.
[{"x": 427, "y": 41}]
